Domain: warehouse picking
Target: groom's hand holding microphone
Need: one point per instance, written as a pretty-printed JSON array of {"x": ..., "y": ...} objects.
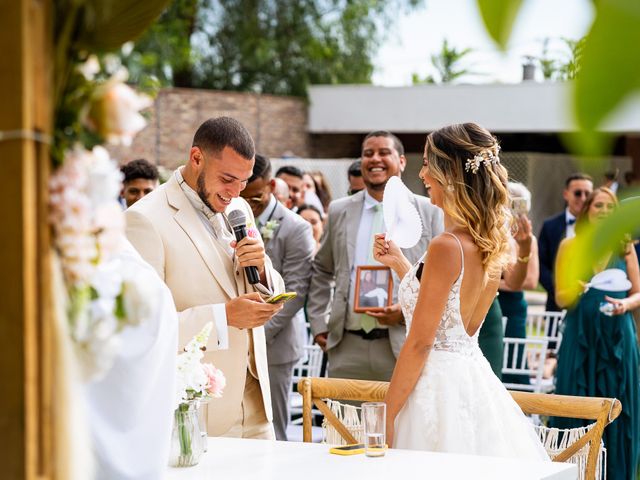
[{"x": 250, "y": 310}]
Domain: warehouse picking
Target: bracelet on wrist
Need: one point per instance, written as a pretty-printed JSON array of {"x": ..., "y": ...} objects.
[{"x": 524, "y": 259}]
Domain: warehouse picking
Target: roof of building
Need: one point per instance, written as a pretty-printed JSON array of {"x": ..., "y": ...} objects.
[{"x": 530, "y": 107}]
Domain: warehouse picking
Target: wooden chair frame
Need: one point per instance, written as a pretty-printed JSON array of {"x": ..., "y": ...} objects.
[{"x": 602, "y": 410}]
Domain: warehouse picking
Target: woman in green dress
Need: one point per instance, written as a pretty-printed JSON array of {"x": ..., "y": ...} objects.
[
  {"x": 598, "y": 356},
  {"x": 490, "y": 338}
]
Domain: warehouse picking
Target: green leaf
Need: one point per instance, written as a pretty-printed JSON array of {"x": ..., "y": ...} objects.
[
  {"x": 596, "y": 241},
  {"x": 107, "y": 24},
  {"x": 498, "y": 17},
  {"x": 609, "y": 70}
]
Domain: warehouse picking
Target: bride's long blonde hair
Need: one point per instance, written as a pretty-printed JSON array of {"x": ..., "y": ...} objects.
[{"x": 464, "y": 159}]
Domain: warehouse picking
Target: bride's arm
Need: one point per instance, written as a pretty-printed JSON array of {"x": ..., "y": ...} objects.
[
  {"x": 441, "y": 269},
  {"x": 389, "y": 254}
]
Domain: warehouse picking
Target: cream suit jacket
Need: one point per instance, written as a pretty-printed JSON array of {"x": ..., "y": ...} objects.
[{"x": 169, "y": 234}]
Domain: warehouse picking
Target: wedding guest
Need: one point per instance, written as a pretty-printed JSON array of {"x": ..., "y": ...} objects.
[
  {"x": 598, "y": 356},
  {"x": 281, "y": 192},
  {"x": 362, "y": 346},
  {"x": 310, "y": 190},
  {"x": 522, "y": 274},
  {"x": 578, "y": 187},
  {"x": 140, "y": 179},
  {"x": 182, "y": 230},
  {"x": 290, "y": 246},
  {"x": 312, "y": 215},
  {"x": 293, "y": 177},
  {"x": 323, "y": 190},
  {"x": 354, "y": 175}
]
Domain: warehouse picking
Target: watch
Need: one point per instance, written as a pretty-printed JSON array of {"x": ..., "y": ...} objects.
[{"x": 524, "y": 259}]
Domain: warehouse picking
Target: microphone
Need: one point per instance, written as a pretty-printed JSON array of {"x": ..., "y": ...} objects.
[{"x": 238, "y": 222}]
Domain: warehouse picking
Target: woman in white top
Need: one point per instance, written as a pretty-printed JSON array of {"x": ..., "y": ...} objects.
[{"x": 443, "y": 394}]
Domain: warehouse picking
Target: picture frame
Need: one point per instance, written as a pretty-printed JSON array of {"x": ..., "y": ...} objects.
[{"x": 374, "y": 289}]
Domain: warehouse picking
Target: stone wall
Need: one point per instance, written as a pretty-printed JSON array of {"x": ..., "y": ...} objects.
[{"x": 278, "y": 124}]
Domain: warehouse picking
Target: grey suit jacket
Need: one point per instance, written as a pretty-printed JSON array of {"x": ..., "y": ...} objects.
[
  {"x": 291, "y": 251},
  {"x": 328, "y": 304}
]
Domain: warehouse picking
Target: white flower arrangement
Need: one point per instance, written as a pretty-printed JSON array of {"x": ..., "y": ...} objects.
[
  {"x": 268, "y": 229},
  {"x": 195, "y": 379},
  {"x": 88, "y": 226},
  {"x": 88, "y": 222}
]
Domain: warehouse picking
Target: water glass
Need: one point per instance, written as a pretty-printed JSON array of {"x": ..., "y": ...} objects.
[{"x": 374, "y": 419}]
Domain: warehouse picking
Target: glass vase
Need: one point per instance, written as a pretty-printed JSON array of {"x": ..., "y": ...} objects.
[
  {"x": 203, "y": 419},
  {"x": 186, "y": 438}
]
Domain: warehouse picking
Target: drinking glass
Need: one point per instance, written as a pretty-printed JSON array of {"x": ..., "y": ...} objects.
[{"x": 374, "y": 419}]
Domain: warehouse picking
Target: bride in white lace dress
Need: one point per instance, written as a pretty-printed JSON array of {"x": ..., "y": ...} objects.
[{"x": 443, "y": 395}]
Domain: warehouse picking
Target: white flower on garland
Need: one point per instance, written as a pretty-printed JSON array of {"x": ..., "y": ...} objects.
[
  {"x": 268, "y": 229},
  {"x": 88, "y": 227}
]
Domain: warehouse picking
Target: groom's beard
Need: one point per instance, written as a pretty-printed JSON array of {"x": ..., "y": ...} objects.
[{"x": 202, "y": 192}]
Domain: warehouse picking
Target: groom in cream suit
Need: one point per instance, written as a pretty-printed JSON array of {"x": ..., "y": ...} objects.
[
  {"x": 182, "y": 230},
  {"x": 362, "y": 346}
]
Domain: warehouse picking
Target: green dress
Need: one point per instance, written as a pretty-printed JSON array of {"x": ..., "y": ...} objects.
[
  {"x": 490, "y": 338},
  {"x": 514, "y": 307},
  {"x": 598, "y": 357}
]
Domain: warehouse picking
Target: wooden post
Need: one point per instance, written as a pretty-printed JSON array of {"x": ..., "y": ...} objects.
[{"x": 25, "y": 121}]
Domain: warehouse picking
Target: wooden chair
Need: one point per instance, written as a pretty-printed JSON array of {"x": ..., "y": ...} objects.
[{"x": 602, "y": 410}]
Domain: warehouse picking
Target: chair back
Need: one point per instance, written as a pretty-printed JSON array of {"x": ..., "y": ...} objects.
[
  {"x": 524, "y": 356},
  {"x": 602, "y": 410},
  {"x": 309, "y": 365},
  {"x": 546, "y": 326}
]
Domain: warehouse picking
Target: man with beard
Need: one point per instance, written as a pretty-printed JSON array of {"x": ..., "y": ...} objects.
[
  {"x": 362, "y": 346},
  {"x": 183, "y": 231}
]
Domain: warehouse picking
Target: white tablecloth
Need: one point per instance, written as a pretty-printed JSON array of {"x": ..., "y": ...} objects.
[{"x": 238, "y": 459}]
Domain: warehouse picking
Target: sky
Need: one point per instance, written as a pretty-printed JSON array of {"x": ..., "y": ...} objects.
[{"x": 418, "y": 35}]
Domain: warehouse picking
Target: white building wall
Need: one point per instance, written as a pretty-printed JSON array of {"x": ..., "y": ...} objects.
[{"x": 526, "y": 107}]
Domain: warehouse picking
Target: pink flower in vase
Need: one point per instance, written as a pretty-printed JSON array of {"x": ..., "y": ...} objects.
[{"x": 215, "y": 380}]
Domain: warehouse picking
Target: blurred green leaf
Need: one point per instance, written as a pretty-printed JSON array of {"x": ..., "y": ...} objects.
[
  {"x": 499, "y": 16},
  {"x": 107, "y": 24},
  {"x": 594, "y": 243},
  {"x": 609, "y": 72}
]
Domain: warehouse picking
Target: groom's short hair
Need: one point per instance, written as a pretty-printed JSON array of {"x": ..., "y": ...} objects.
[
  {"x": 217, "y": 133},
  {"x": 397, "y": 144}
]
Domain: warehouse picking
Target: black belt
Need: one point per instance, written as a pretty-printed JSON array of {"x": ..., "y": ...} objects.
[{"x": 374, "y": 334}]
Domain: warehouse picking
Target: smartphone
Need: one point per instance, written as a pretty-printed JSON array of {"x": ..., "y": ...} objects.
[
  {"x": 519, "y": 206},
  {"x": 354, "y": 449},
  {"x": 282, "y": 297}
]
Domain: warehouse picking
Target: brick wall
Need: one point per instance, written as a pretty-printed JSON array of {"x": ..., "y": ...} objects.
[{"x": 278, "y": 124}]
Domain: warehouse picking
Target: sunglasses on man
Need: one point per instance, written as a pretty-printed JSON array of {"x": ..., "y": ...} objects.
[{"x": 581, "y": 193}]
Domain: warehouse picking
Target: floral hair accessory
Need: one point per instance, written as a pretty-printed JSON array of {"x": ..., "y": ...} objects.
[{"x": 486, "y": 157}]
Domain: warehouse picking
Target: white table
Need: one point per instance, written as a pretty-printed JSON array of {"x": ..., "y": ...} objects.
[{"x": 239, "y": 459}]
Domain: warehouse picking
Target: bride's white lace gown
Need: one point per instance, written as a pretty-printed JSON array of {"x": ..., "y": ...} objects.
[{"x": 458, "y": 404}]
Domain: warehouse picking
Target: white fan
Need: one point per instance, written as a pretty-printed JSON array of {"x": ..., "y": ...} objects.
[
  {"x": 612, "y": 280},
  {"x": 401, "y": 218}
]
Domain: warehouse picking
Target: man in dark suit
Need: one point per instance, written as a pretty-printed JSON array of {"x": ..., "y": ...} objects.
[
  {"x": 578, "y": 187},
  {"x": 290, "y": 245}
]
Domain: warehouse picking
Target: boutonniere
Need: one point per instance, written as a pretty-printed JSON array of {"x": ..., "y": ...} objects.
[{"x": 267, "y": 229}]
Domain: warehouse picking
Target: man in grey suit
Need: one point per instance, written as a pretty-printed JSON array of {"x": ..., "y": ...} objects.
[
  {"x": 289, "y": 244},
  {"x": 357, "y": 347}
]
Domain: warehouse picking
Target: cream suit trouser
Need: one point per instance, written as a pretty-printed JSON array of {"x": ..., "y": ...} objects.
[{"x": 250, "y": 419}]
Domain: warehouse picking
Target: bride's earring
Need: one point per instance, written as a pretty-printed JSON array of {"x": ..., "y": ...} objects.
[{"x": 449, "y": 187}]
